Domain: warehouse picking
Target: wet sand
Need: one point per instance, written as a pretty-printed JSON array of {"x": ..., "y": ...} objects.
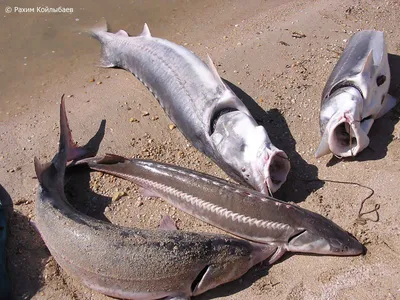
[{"x": 277, "y": 55}]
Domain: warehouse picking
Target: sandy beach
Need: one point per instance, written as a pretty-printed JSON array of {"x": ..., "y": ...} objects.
[{"x": 277, "y": 55}]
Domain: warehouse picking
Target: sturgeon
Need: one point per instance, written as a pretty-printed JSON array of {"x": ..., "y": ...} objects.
[
  {"x": 233, "y": 208},
  {"x": 202, "y": 106},
  {"x": 132, "y": 263},
  {"x": 355, "y": 95}
]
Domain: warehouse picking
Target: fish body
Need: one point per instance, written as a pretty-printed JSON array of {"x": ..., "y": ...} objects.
[
  {"x": 355, "y": 95},
  {"x": 236, "y": 209},
  {"x": 132, "y": 263},
  {"x": 201, "y": 105}
]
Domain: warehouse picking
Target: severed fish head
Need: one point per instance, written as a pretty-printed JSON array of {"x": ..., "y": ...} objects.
[{"x": 344, "y": 132}]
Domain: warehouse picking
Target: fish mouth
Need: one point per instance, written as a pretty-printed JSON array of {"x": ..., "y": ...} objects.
[
  {"x": 277, "y": 169},
  {"x": 347, "y": 138}
]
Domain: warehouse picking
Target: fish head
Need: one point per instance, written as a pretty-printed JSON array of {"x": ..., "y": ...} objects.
[
  {"x": 249, "y": 151},
  {"x": 344, "y": 132},
  {"x": 321, "y": 236},
  {"x": 270, "y": 166}
]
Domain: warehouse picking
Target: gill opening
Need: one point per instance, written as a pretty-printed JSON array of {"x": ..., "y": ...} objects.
[
  {"x": 217, "y": 114},
  {"x": 296, "y": 236},
  {"x": 198, "y": 279}
]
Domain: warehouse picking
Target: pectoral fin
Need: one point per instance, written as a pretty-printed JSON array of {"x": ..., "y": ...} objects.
[
  {"x": 387, "y": 104},
  {"x": 168, "y": 224},
  {"x": 323, "y": 148},
  {"x": 366, "y": 125}
]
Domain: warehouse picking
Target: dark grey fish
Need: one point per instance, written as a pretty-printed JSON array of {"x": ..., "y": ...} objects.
[
  {"x": 236, "y": 209},
  {"x": 201, "y": 105},
  {"x": 132, "y": 263}
]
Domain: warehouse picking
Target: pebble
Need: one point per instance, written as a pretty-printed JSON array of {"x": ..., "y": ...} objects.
[
  {"x": 92, "y": 80},
  {"x": 172, "y": 126},
  {"x": 118, "y": 195},
  {"x": 145, "y": 113},
  {"x": 132, "y": 120}
]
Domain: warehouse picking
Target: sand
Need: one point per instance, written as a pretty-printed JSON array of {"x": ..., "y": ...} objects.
[{"x": 278, "y": 56}]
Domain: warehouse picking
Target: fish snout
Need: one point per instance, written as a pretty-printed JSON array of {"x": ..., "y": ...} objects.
[
  {"x": 342, "y": 243},
  {"x": 347, "y": 138},
  {"x": 276, "y": 170}
]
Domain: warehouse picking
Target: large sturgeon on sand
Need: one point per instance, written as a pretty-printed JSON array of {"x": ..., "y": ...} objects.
[
  {"x": 202, "y": 106},
  {"x": 132, "y": 263},
  {"x": 355, "y": 95},
  {"x": 234, "y": 208}
]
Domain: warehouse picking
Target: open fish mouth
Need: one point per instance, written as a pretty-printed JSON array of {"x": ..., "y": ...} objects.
[
  {"x": 278, "y": 166},
  {"x": 347, "y": 138}
]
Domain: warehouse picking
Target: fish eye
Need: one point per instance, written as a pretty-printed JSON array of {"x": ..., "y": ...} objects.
[{"x": 380, "y": 80}]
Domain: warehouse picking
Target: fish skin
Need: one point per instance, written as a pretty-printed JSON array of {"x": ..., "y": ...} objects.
[
  {"x": 132, "y": 263},
  {"x": 236, "y": 209},
  {"x": 356, "y": 94},
  {"x": 201, "y": 105}
]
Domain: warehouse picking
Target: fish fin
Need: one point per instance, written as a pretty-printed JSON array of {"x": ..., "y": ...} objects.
[
  {"x": 110, "y": 159},
  {"x": 146, "y": 31},
  {"x": 66, "y": 142},
  {"x": 387, "y": 104},
  {"x": 277, "y": 255},
  {"x": 167, "y": 223},
  {"x": 147, "y": 193},
  {"x": 323, "y": 148},
  {"x": 213, "y": 69},
  {"x": 262, "y": 252},
  {"x": 100, "y": 33},
  {"x": 99, "y": 28},
  {"x": 39, "y": 169},
  {"x": 366, "y": 125},
  {"x": 122, "y": 33}
]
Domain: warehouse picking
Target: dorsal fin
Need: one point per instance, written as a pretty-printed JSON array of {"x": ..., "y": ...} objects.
[
  {"x": 122, "y": 33},
  {"x": 213, "y": 69},
  {"x": 146, "y": 31}
]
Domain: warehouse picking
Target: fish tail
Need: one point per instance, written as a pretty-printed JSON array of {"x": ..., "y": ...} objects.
[{"x": 100, "y": 33}]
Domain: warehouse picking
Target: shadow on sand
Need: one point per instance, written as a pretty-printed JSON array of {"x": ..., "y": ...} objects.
[
  {"x": 381, "y": 134},
  {"x": 78, "y": 183},
  {"x": 26, "y": 254},
  {"x": 293, "y": 189}
]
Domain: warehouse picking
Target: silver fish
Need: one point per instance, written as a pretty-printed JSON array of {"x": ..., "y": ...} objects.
[
  {"x": 355, "y": 95},
  {"x": 236, "y": 209},
  {"x": 132, "y": 263},
  {"x": 201, "y": 105}
]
